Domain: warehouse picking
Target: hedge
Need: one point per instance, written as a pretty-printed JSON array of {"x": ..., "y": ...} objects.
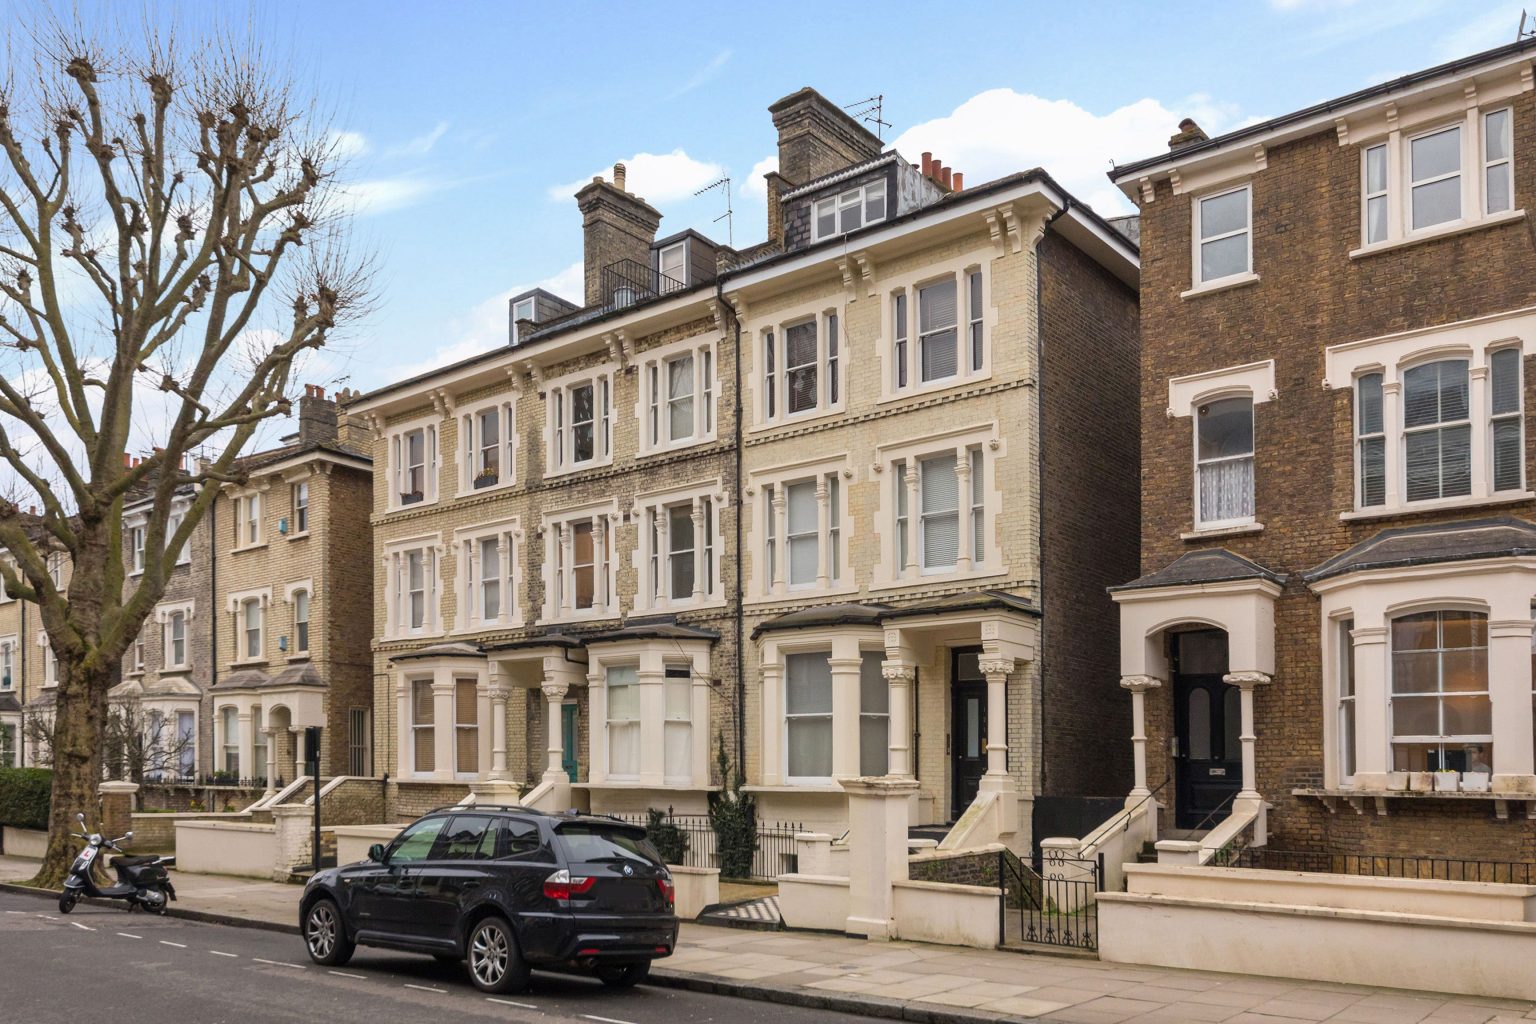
[{"x": 24, "y": 797}]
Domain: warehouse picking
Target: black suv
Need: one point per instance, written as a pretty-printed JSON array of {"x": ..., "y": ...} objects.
[{"x": 505, "y": 888}]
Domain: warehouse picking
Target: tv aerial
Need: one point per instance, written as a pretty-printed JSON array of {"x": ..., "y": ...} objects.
[
  {"x": 869, "y": 111},
  {"x": 724, "y": 185}
]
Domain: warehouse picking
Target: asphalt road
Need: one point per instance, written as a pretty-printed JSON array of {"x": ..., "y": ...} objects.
[{"x": 101, "y": 962}]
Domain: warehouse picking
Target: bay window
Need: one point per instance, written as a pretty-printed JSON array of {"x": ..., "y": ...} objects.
[
  {"x": 466, "y": 726},
  {"x": 874, "y": 715},
  {"x": 229, "y": 722},
  {"x": 808, "y": 715},
  {"x": 1346, "y": 717},
  {"x": 1223, "y": 235},
  {"x": 488, "y": 446},
  {"x": 1441, "y": 714},
  {"x": 423, "y": 727},
  {"x": 1224, "y": 462},
  {"x": 186, "y": 743},
  {"x": 623, "y": 692},
  {"x": 677, "y": 727}
]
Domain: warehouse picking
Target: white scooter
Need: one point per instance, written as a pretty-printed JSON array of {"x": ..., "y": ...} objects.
[{"x": 141, "y": 881}]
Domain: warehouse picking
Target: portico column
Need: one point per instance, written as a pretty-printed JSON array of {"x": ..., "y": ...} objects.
[
  {"x": 271, "y": 760},
  {"x": 444, "y": 749},
  {"x": 1139, "y": 685},
  {"x": 845, "y": 664},
  {"x": 247, "y": 745},
  {"x": 899, "y": 679},
  {"x": 1245, "y": 682},
  {"x": 1509, "y": 684},
  {"x": 554, "y": 696},
  {"x": 1371, "y": 755},
  {"x": 498, "y": 694},
  {"x": 964, "y": 559},
  {"x": 997, "y": 670}
]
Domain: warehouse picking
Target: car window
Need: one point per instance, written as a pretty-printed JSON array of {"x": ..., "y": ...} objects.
[
  {"x": 415, "y": 843},
  {"x": 466, "y": 835},
  {"x": 589, "y": 842},
  {"x": 523, "y": 841}
]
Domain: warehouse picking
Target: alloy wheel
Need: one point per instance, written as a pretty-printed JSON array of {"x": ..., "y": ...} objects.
[
  {"x": 488, "y": 955},
  {"x": 322, "y": 931}
]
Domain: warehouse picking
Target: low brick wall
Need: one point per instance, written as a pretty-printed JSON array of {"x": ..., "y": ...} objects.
[
  {"x": 354, "y": 801},
  {"x": 969, "y": 867},
  {"x": 410, "y": 800},
  {"x": 182, "y": 798}
]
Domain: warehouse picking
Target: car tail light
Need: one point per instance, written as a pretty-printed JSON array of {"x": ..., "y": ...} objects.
[
  {"x": 561, "y": 886},
  {"x": 668, "y": 890}
]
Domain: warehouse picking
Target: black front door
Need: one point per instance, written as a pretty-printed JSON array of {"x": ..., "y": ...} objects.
[
  {"x": 1207, "y": 724},
  {"x": 967, "y": 729}
]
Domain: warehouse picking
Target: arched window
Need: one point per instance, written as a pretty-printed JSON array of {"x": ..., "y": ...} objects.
[{"x": 1442, "y": 718}]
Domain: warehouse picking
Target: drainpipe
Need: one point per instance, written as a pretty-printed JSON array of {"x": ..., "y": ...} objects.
[
  {"x": 736, "y": 498},
  {"x": 213, "y": 627},
  {"x": 1044, "y": 650},
  {"x": 21, "y": 728}
]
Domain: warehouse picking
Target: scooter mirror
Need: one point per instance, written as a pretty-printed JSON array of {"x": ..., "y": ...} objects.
[
  {"x": 128, "y": 836},
  {"x": 80, "y": 818}
]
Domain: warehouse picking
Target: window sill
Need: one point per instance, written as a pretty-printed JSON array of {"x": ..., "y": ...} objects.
[
  {"x": 412, "y": 507},
  {"x": 596, "y": 616},
  {"x": 248, "y": 663},
  {"x": 1440, "y": 231},
  {"x": 687, "y": 444},
  {"x": 1345, "y": 792},
  {"x": 1397, "y": 511},
  {"x": 940, "y": 578},
  {"x": 1220, "y": 285},
  {"x": 801, "y": 594},
  {"x": 820, "y": 788},
  {"x": 920, "y": 390},
  {"x": 299, "y": 536},
  {"x": 668, "y": 787},
  {"x": 1222, "y": 531},
  {"x": 489, "y": 627},
  {"x": 664, "y": 607},
  {"x": 585, "y": 467},
  {"x": 471, "y": 491},
  {"x": 401, "y": 638},
  {"x": 248, "y": 547},
  {"x": 796, "y": 420},
  {"x": 298, "y": 656}
]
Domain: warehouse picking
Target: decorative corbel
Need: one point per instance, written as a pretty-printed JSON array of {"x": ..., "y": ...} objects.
[
  {"x": 1526, "y": 78},
  {"x": 535, "y": 374},
  {"x": 1391, "y": 117},
  {"x": 1260, "y": 158},
  {"x": 1012, "y": 228},
  {"x": 375, "y": 424},
  {"x": 1176, "y": 181},
  {"x": 512, "y": 378},
  {"x": 845, "y": 266},
  {"x": 867, "y": 268},
  {"x": 739, "y": 304},
  {"x": 995, "y": 229},
  {"x": 1148, "y": 189},
  {"x": 1341, "y": 126},
  {"x": 717, "y": 311},
  {"x": 442, "y": 402},
  {"x": 1469, "y": 94}
]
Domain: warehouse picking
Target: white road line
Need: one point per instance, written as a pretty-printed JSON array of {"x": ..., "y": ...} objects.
[
  {"x": 23, "y": 913},
  {"x": 607, "y": 1020},
  {"x": 128, "y": 935},
  {"x": 344, "y": 974},
  {"x": 424, "y": 988},
  {"x": 84, "y": 927},
  {"x": 178, "y": 945},
  {"x": 508, "y": 1002},
  {"x": 233, "y": 956},
  {"x": 278, "y": 963}
]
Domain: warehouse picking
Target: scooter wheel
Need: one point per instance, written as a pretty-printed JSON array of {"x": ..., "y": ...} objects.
[{"x": 67, "y": 901}]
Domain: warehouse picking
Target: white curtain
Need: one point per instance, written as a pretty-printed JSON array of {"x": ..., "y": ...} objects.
[{"x": 1226, "y": 490}]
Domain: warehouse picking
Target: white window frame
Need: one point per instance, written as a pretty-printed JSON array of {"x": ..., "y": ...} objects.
[
  {"x": 559, "y": 437},
  {"x": 1382, "y": 195},
  {"x": 651, "y": 562},
  {"x": 239, "y": 602},
  {"x": 166, "y": 615},
  {"x": 830, "y": 715},
  {"x": 859, "y": 197},
  {"x": 1412, "y": 184},
  {"x": 481, "y": 698},
  {"x": 1198, "y": 243},
  {"x": 472, "y": 444},
  {"x": 1344, "y": 659},
  {"x": 397, "y": 593},
  {"x": 1201, "y": 523},
  {"x": 471, "y": 618},
  {"x": 291, "y": 593},
  {"x": 1404, "y": 432},
  {"x": 901, "y": 351},
  {"x": 531, "y": 302},
  {"x": 1507, "y": 161},
  {"x": 893, "y": 459},
  {"x": 250, "y": 519},
  {"x": 10, "y": 646},
  {"x": 399, "y": 470},
  {"x": 651, "y": 409},
  {"x": 559, "y": 574},
  {"x": 635, "y": 723},
  {"x": 136, "y": 540},
  {"x": 298, "y": 509},
  {"x": 681, "y": 278},
  {"x": 173, "y": 523},
  {"x": 834, "y": 528},
  {"x": 411, "y": 684},
  {"x": 50, "y": 662},
  {"x": 771, "y": 380}
]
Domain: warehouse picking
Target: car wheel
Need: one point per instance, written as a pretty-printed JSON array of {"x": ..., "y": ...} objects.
[
  {"x": 67, "y": 901},
  {"x": 326, "y": 936},
  {"x": 623, "y": 975},
  {"x": 495, "y": 965}
]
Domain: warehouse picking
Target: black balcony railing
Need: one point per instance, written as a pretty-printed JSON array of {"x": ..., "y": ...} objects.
[{"x": 627, "y": 282}]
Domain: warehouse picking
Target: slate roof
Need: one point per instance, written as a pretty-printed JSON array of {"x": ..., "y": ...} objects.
[
  {"x": 448, "y": 650},
  {"x": 660, "y": 628},
  {"x": 1464, "y": 541},
  {"x": 9, "y": 704},
  {"x": 1207, "y": 565},
  {"x": 857, "y": 614}
]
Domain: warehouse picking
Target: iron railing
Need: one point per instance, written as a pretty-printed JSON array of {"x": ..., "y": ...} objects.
[
  {"x": 1054, "y": 903},
  {"x": 773, "y": 853},
  {"x": 1445, "y": 869},
  {"x": 626, "y": 282}
]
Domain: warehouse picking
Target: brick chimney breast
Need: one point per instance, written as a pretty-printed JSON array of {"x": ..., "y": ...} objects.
[
  {"x": 1189, "y": 133},
  {"x": 817, "y": 137},
  {"x": 317, "y": 417},
  {"x": 614, "y": 226}
]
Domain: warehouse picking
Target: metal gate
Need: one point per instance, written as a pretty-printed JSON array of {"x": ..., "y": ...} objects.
[{"x": 1054, "y": 905}]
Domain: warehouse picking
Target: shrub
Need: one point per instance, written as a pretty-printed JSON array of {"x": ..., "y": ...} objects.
[
  {"x": 670, "y": 841},
  {"x": 733, "y": 815},
  {"x": 25, "y": 796}
]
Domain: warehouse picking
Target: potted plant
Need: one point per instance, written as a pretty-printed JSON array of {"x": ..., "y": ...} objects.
[
  {"x": 1474, "y": 782},
  {"x": 411, "y": 497},
  {"x": 486, "y": 477},
  {"x": 1421, "y": 782},
  {"x": 1446, "y": 780},
  {"x": 1397, "y": 782}
]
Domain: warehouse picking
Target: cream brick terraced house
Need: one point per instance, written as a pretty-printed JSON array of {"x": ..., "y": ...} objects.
[{"x": 792, "y": 498}]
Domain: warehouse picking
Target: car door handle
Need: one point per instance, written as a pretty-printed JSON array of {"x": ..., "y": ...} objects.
[{"x": 470, "y": 885}]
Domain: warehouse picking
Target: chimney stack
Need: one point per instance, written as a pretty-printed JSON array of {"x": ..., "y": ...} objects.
[
  {"x": 615, "y": 225},
  {"x": 817, "y": 137},
  {"x": 317, "y": 416},
  {"x": 1189, "y": 133}
]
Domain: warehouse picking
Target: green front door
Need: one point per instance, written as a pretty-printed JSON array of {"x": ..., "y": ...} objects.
[{"x": 568, "y": 739}]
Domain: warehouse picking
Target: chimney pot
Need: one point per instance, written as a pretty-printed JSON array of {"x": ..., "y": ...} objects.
[
  {"x": 127, "y": 461},
  {"x": 619, "y": 174},
  {"x": 959, "y": 181},
  {"x": 927, "y": 163},
  {"x": 944, "y": 177}
]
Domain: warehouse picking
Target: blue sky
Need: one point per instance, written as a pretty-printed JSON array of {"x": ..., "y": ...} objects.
[{"x": 471, "y": 123}]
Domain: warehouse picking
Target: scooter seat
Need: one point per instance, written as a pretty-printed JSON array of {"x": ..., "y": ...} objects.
[{"x": 132, "y": 862}]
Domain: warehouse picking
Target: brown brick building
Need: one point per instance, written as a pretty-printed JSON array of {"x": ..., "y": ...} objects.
[{"x": 1335, "y": 616}]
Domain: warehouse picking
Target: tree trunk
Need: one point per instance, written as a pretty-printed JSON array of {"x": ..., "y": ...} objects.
[{"x": 78, "y": 723}]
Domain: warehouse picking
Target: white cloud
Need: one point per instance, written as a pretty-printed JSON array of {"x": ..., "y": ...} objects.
[
  {"x": 755, "y": 187},
  {"x": 1492, "y": 28},
  {"x": 349, "y": 144},
  {"x": 421, "y": 145},
  {"x": 656, "y": 177},
  {"x": 382, "y": 195},
  {"x": 485, "y": 326},
  {"x": 704, "y": 74},
  {"x": 1001, "y": 131}
]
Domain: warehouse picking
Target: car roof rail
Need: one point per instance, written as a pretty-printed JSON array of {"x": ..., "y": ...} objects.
[{"x": 470, "y": 809}]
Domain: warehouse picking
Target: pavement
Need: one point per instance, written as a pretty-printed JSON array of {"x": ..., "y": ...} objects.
[{"x": 938, "y": 984}]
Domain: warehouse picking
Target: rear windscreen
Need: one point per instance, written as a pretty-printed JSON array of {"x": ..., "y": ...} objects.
[{"x": 593, "y": 842}]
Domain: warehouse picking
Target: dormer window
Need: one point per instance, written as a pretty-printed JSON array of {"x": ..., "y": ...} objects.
[
  {"x": 848, "y": 211},
  {"x": 672, "y": 268},
  {"x": 521, "y": 310}
]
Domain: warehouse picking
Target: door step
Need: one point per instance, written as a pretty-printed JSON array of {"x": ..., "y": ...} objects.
[{"x": 761, "y": 914}]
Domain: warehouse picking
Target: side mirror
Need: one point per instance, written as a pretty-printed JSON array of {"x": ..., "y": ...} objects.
[
  {"x": 376, "y": 853},
  {"x": 128, "y": 836},
  {"x": 80, "y": 818}
]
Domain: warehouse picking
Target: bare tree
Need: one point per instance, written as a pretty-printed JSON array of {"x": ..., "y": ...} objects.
[
  {"x": 137, "y": 745},
  {"x": 168, "y": 233}
]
